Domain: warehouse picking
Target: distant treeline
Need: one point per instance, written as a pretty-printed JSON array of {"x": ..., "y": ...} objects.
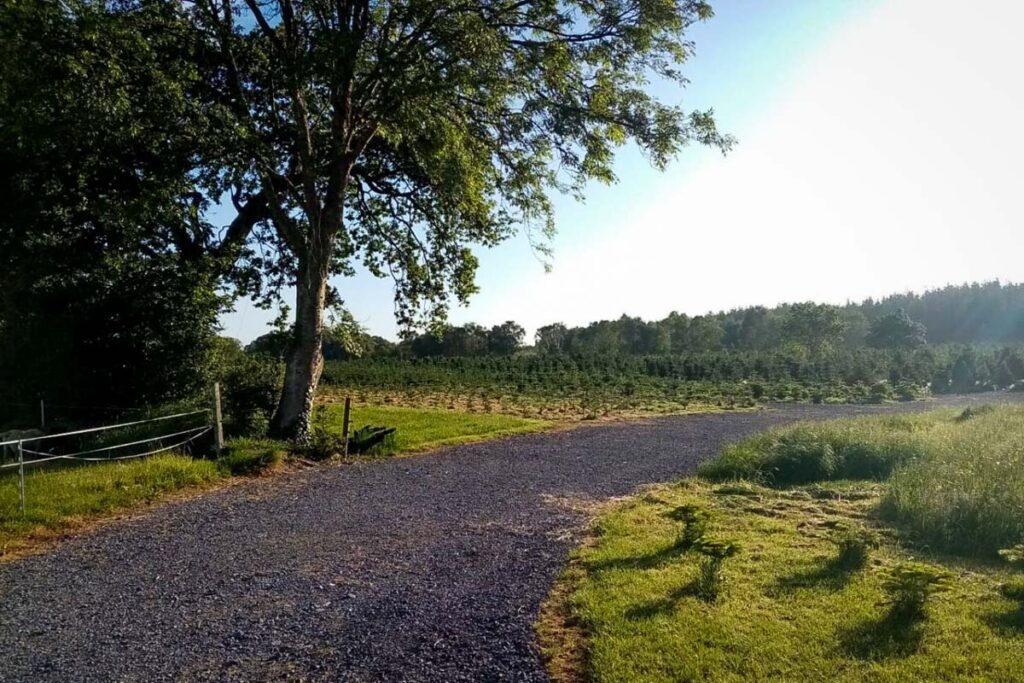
[{"x": 986, "y": 313}]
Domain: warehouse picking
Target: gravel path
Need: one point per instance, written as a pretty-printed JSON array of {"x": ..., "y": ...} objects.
[{"x": 413, "y": 569}]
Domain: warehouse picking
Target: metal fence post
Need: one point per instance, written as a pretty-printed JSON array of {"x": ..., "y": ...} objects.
[
  {"x": 21, "y": 478},
  {"x": 218, "y": 430},
  {"x": 344, "y": 424}
]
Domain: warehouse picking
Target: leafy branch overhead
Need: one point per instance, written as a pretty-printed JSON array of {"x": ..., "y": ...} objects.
[{"x": 403, "y": 132}]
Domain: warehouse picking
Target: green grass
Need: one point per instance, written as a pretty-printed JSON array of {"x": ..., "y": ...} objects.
[
  {"x": 61, "y": 499},
  {"x": 956, "y": 478},
  {"x": 58, "y": 499},
  {"x": 845, "y": 529},
  {"x": 967, "y": 495},
  {"x": 420, "y": 429},
  {"x": 788, "y": 610}
]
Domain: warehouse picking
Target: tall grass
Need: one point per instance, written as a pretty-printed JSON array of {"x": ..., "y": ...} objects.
[
  {"x": 955, "y": 480},
  {"x": 859, "y": 448},
  {"x": 967, "y": 496}
]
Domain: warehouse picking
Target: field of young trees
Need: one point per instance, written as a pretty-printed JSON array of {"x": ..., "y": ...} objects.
[{"x": 868, "y": 352}]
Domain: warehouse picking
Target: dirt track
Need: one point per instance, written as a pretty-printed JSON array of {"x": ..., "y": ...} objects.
[{"x": 414, "y": 569}]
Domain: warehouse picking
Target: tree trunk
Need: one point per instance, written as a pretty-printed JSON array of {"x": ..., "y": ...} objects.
[{"x": 305, "y": 357}]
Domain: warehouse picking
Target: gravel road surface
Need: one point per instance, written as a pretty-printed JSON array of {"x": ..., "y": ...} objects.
[{"x": 427, "y": 568}]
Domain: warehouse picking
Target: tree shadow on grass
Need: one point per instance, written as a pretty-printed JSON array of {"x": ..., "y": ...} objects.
[
  {"x": 889, "y": 636},
  {"x": 833, "y": 575},
  {"x": 663, "y": 605},
  {"x": 649, "y": 561},
  {"x": 1008, "y": 623}
]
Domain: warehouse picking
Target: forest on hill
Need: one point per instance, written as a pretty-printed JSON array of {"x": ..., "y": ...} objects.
[{"x": 975, "y": 313}]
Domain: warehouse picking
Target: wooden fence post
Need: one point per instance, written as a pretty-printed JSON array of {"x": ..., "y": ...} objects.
[
  {"x": 42, "y": 414},
  {"x": 218, "y": 425},
  {"x": 21, "y": 477},
  {"x": 344, "y": 425}
]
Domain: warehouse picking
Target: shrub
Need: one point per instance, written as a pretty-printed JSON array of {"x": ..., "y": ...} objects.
[
  {"x": 908, "y": 587},
  {"x": 251, "y": 456},
  {"x": 250, "y": 388},
  {"x": 710, "y": 584},
  {"x": 323, "y": 442},
  {"x": 695, "y": 520},
  {"x": 854, "y": 545}
]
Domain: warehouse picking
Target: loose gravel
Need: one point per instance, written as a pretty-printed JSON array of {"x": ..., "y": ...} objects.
[{"x": 427, "y": 568}]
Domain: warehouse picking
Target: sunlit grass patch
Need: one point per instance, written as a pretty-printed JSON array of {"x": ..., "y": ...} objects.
[
  {"x": 790, "y": 606},
  {"x": 57, "y": 499},
  {"x": 420, "y": 429}
]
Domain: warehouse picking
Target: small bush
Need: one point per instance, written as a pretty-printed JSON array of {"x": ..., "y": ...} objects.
[
  {"x": 908, "y": 587},
  {"x": 323, "y": 442},
  {"x": 695, "y": 520},
  {"x": 250, "y": 386},
  {"x": 709, "y": 585},
  {"x": 972, "y": 412},
  {"x": 251, "y": 456},
  {"x": 854, "y": 545}
]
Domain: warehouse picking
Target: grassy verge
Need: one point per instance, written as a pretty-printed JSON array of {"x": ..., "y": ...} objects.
[
  {"x": 420, "y": 429},
  {"x": 60, "y": 500},
  {"x": 825, "y": 579}
]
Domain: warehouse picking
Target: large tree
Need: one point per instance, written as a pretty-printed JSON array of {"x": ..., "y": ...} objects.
[
  {"x": 397, "y": 134},
  {"x": 98, "y": 306}
]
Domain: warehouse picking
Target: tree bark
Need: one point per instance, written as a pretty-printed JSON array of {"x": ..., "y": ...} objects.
[{"x": 305, "y": 357}]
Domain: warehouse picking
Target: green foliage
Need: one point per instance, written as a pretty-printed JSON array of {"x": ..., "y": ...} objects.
[
  {"x": 963, "y": 495},
  {"x": 252, "y": 456},
  {"x": 908, "y": 587},
  {"x": 896, "y": 331},
  {"x": 250, "y": 388},
  {"x": 818, "y": 327},
  {"x": 866, "y": 448},
  {"x": 325, "y": 439},
  {"x": 854, "y": 544},
  {"x": 710, "y": 582}
]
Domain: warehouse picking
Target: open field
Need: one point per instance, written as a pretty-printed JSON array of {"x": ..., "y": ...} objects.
[
  {"x": 422, "y": 429},
  {"x": 565, "y": 387},
  {"x": 936, "y": 494}
]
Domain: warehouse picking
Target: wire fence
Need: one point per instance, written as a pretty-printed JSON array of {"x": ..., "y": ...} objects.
[{"x": 110, "y": 443}]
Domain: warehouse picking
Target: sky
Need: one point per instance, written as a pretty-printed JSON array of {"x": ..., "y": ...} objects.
[{"x": 879, "y": 150}]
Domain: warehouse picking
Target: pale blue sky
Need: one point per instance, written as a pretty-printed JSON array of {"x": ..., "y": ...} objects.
[{"x": 878, "y": 150}]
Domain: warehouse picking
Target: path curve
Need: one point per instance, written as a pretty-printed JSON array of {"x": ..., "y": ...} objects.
[{"x": 428, "y": 568}]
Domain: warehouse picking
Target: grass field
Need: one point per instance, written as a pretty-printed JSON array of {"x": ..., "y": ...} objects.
[
  {"x": 420, "y": 429},
  {"x": 58, "y": 500},
  {"x": 646, "y": 601}
]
